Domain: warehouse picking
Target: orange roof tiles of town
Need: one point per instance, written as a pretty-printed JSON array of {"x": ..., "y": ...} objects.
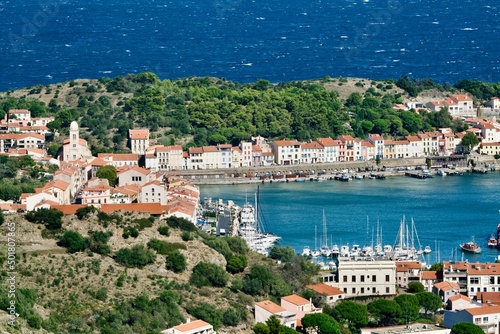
[
  {"x": 19, "y": 111},
  {"x": 429, "y": 275},
  {"x": 491, "y": 297},
  {"x": 139, "y": 134},
  {"x": 270, "y": 306},
  {"x": 483, "y": 310},
  {"x": 195, "y": 150},
  {"x": 192, "y": 325},
  {"x": 312, "y": 145},
  {"x": 327, "y": 141},
  {"x": 445, "y": 286},
  {"x": 286, "y": 142},
  {"x": 295, "y": 299},
  {"x": 325, "y": 289},
  {"x": 405, "y": 265},
  {"x": 459, "y": 296},
  {"x": 210, "y": 149}
]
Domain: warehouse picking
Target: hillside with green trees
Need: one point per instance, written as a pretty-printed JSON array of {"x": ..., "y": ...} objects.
[
  {"x": 86, "y": 273},
  {"x": 207, "y": 111}
]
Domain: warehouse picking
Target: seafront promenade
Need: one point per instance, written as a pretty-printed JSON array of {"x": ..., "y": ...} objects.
[{"x": 390, "y": 167}]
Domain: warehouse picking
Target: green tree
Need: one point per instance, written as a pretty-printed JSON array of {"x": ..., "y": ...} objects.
[
  {"x": 231, "y": 317},
  {"x": 51, "y": 218},
  {"x": 356, "y": 315},
  {"x": 466, "y": 328},
  {"x": 283, "y": 254},
  {"x": 410, "y": 307},
  {"x": 274, "y": 324},
  {"x": 469, "y": 141},
  {"x": 429, "y": 301},
  {"x": 208, "y": 274},
  {"x": 176, "y": 261},
  {"x": 137, "y": 256},
  {"x": 261, "y": 328},
  {"x": 355, "y": 99},
  {"x": 386, "y": 312},
  {"x": 208, "y": 313},
  {"x": 415, "y": 287},
  {"x": 236, "y": 264},
  {"x": 108, "y": 172},
  {"x": 73, "y": 241},
  {"x": 321, "y": 323}
]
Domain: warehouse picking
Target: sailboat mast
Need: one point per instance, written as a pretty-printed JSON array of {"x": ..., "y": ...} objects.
[{"x": 325, "y": 236}]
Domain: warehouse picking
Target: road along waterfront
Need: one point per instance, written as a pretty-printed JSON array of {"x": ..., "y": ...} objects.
[{"x": 447, "y": 210}]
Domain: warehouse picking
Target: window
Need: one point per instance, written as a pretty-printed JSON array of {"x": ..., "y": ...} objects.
[
  {"x": 374, "y": 278},
  {"x": 353, "y": 290},
  {"x": 345, "y": 278},
  {"x": 353, "y": 278},
  {"x": 362, "y": 290},
  {"x": 362, "y": 278},
  {"x": 474, "y": 280},
  {"x": 387, "y": 279},
  {"x": 345, "y": 290},
  {"x": 387, "y": 289}
]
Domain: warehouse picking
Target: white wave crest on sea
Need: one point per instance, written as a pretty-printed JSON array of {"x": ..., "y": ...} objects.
[{"x": 468, "y": 29}]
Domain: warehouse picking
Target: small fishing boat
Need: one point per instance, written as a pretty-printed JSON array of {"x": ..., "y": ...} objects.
[
  {"x": 470, "y": 247},
  {"x": 492, "y": 241}
]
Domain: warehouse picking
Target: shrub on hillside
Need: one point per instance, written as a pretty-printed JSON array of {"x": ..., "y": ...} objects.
[
  {"x": 137, "y": 256},
  {"x": 83, "y": 213},
  {"x": 51, "y": 218},
  {"x": 208, "y": 274},
  {"x": 176, "y": 262},
  {"x": 208, "y": 313},
  {"x": 180, "y": 223},
  {"x": 236, "y": 264},
  {"x": 163, "y": 230},
  {"x": 73, "y": 241},
  {"x": 163, "y": 247}
]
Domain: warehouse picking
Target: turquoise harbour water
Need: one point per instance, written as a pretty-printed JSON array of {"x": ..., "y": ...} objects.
[{"x": 446, "y": 210}]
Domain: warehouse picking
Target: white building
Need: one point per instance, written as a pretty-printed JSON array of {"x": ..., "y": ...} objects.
[
  {"x": 139, "y": 140},
  {"x": 266, "y": 308},
  {"x": 487, "y": 317},
  {"x": 75, "y": 147},
  {"x": 191, "y": 327},
  {"x": 286, "y": 152},
  {"x": 364, "y": 278}
]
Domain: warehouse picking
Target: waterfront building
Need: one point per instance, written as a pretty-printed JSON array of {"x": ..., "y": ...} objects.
[
  {"x": 138, "y": 140},
  {"x": 330, "y": 149},
  {"x": 489, "y": 148},
  {"x": 351, "y": 146},
  {"x": 257, "y": 156},
  {"x": 286, "y": 152},
  {"x": 164, "y": 158},
  {"x": 415, "y": 147},
  {"x": 486, "y": 317},
  {"x": 268, "y": 159},
  {"x": 196, "y": 158},
  {"x": 262, "y": 143},
  {"x": 489, "y": 132},
  {"x": 211, "y": 157},
  {"x": 225, "y": 155},
  {"x": 378, "y": 141},
  {"x": 311, "y": 153},
  {"x": 368, "y": 151},
  {"x": 246, "y": 154},
  {"x": 237, "y": 156}
]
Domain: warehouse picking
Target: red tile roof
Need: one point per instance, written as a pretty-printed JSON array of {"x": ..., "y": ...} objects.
[
  {"x": 325, "y": 290},
  {"x": 296, "y": 300},
  {"x": 138, "y": 134},
  {"x": 192, "y": 325},
  {"x": 270, "y": 306}
]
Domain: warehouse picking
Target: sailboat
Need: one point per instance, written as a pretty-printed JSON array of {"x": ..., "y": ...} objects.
[
  {"x": 315, "y": 252},
  {"x": 324, "y": 249},
  {"x": 404, "y": 246},
  {"x": 252, "y": 231}
]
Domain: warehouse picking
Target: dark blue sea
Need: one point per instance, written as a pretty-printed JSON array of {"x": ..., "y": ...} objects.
[
  {"x": 49, "y": 41},
  {"x": 446, "y": 211}
]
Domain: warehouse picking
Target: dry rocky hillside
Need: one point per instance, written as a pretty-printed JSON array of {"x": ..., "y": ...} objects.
[{"x": 59, "y": 276}]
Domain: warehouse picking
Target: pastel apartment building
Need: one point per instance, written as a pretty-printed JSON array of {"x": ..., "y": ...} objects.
[
  {"x": 330, "y": 295},
  {"x": 299, "y": 305},
  {"x": 459, "y": 105},
  {"x": 286, "y": 152}
]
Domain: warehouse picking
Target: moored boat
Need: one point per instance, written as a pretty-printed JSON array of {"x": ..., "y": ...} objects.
[
  {"x": 427, "y": 249},
  {"x": 492, "y": 241},
  {"x": 470, "y": 247}
]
